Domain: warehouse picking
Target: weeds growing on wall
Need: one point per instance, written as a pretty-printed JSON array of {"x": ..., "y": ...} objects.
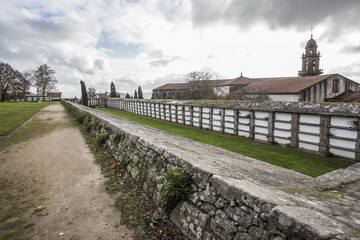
[
  {"x": 80, "y": 118},
  {"x": 116, "y": 138},
  {"x": 178, "y": 188},
  {"x": 101, "y": 139}
]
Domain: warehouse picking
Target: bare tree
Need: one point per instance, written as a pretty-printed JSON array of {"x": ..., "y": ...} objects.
[
  {"x": 199, "y": 85},
  {"x": 91, "y": 92},
  {"x": 7, "y": 80},
  {"x": 45, "y": 80},
  {"x": 28, "y": 78}
]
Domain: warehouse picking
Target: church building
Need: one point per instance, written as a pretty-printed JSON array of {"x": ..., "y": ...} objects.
[{"x": 309, "y": 86}]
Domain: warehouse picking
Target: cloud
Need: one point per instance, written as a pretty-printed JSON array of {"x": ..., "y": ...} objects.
[
  {"x": 354, "y": 49},
  {"x": 340, "y": 16},
  {"x": 163, "y": 62},
  {"x": 351, "y": 71}
]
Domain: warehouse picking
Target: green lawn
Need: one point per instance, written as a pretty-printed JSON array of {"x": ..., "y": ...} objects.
[
  {"x": 14, "y": 114},
  {"x": 309, "y": 164}
]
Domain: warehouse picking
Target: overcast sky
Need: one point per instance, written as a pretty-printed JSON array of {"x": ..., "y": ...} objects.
[{"x": 153, "y": 42}]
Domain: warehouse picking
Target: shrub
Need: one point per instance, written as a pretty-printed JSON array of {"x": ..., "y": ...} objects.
[
  {"x": 178, "y": 188},
  {"x": 80, "y": 118},
  {"x": 101, "y": 139},
  {"x": 87, "y": 127},
  {"x": 99, "y": 127},
  {"x": 95, "y": 124},
  {"x": 124, "y": 162},
  {"x": 116, "y": 138},
  {"x": 87, "y": 119}
]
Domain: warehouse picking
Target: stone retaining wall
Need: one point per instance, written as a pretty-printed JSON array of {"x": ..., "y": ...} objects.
[{"x": 224, "y": 204}]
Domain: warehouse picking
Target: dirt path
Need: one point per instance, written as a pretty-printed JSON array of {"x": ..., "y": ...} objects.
[{"x": 62, "y": 182}]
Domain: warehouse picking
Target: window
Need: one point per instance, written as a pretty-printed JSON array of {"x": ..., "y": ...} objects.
[
  {"x": 335, "y": 87},
  {"x": 306, "y": 65},
  {"x": 311, "y": 51},
  {"x": 314, "y": 62}
]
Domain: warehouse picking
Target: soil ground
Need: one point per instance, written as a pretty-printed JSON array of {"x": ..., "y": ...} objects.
[{"x": 55, "y": 186}]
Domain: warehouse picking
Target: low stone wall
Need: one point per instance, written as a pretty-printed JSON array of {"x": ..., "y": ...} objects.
[{"x": 234, "y": 197}]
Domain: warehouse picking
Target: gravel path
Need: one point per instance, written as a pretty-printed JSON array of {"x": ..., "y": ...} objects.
[{"x": 68, "y": 188}]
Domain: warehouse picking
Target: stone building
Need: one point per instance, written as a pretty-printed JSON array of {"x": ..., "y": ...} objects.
[
  {"x": 171, "y": 91},
  {"x": 309, "y": 85},
  {"x": 320, "y": 88}
]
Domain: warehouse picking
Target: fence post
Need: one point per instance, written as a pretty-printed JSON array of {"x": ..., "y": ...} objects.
[
  {"x": 236, "y": 122},
  {"x": 191, "y": 116},
  {"x": 324, "y": 135},
  {"x": 357, "y": 147},
  {"x": 294, "y": 130},
  {"x": 176, "y": 114},
  {"x": 251, "y": 124},
  {"x": 170, "y": 109},
  {"x": 200, "y": 116},
  {"x": 222, "y": 120},
  {"x": 183, "y": 114},
  {"x": 150, "y": 109},
  {"x": 211, "y": 111},
  {"x": 271, "y": 122}
]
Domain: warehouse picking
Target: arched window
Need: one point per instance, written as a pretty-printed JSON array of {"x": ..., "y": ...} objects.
[
  {"x": 311, "y": 51},
  {"x": 306, "y": 65},
  {"x": 314, "y": 62}
]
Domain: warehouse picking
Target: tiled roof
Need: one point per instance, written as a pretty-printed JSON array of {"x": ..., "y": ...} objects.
[
  {"x": 103, "y": 95},
  {"x": 278, "y": 85},
  {"x": 350, "y": 97},
  {"x": 236, "y": 81},
  {"x": 173, "y": 86},
  {"x": 54, "y": 94}
]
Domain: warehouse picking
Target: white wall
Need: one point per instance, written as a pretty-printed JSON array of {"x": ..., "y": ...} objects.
[
  {"x": 284, "y": 97},
  {"x": 221, "y": 91}
]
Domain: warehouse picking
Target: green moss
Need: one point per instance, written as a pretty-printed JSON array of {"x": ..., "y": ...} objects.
[{"x": 340, "y": 185}]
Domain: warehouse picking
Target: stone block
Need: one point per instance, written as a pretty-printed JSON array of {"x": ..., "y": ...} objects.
[
  {"x": 304, "y": 223},
  {"x": 239, "y": 216},
  {"x": 190, "y": 220},
  {"x": 223, "y": 226}
]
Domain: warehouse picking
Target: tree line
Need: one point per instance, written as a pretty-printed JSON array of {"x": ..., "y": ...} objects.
[
  {"x": 91, "y": 92},
  {"x": 16, "y": 85}
]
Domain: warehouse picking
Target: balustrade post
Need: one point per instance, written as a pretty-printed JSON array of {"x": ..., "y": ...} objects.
[
  {"x": 236, "y": 122},
  {"x": 271, "y": 123},
  {"x": 357, "y": 147},
  {"x": 324, "y": 135},
  {"x": 251, "y": 124}
]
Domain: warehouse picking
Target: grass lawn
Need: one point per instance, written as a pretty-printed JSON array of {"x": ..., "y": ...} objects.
[
  {"x": 309, "y": 164},
  {"x": 14, "y": 114}
]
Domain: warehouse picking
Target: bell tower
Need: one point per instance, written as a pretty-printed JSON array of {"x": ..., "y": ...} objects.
[{"x": 310, "y": 59}]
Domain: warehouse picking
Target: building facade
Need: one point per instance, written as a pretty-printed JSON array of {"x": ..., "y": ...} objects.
[{"x": 309, "y": 86}]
